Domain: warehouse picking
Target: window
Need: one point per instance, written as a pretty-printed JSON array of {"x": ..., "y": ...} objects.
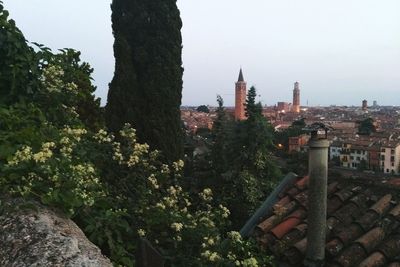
[
  {"x": 392, "y": 164},
  {"x": 387, "y": 170},
  {"x": 382, "y": 157},
  {"x": 392, "y": 151},
  {"x": 358, "y": 158},
  {"x": 392, "y": 158},
  {"x": 383, "y": 150}
]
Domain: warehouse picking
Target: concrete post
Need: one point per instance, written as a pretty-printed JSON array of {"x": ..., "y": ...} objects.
[{"x": 316, "y": 230}]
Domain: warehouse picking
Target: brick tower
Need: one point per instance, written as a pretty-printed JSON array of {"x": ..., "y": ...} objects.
[
  {"x": 240, "y": 97},
  {"x": 296, "y": 98}
]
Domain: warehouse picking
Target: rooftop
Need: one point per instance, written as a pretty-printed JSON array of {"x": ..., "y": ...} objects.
[{"x": 363, "y": 223}]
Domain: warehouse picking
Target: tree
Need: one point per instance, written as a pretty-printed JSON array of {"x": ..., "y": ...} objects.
[
  {"x": 18, "y": 68},
  {"x": 146, "y": 89},
  {"x": 203, "y": 108},
  {"x": 244, "y": 170},
  {"x": 366, "y": 127}
]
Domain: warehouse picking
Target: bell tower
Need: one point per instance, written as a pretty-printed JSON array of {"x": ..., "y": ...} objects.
[
  {"x": 240, "y": 97},
  {"x": 296, "y": 98}
]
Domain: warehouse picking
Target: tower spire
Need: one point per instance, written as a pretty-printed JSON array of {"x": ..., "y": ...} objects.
[{"x": 240, "y": 79}]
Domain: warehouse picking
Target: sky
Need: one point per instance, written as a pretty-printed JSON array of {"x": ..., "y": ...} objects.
[{"x": 340, "y": 52}]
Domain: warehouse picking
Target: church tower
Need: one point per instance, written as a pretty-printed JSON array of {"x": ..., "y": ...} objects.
[
  {"x": 296, "y": 98},
  {"x": 240, "y": 97}
]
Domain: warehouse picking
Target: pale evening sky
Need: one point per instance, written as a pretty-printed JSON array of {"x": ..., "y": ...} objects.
[{"x": 340, "y": 51}]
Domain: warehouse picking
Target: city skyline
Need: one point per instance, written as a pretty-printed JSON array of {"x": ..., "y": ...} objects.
[{"x": 341, "y": 52}]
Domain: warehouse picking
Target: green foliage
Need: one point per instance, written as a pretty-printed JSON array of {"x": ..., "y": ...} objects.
[
  {"x": 22, "y": 71},
  {"x": 244, "y": 169},
  {"x": 203, "y": 108},
  {"x": 146, "y": 89},
  {"x": 220, "y": 132},
  {"x": 18, "y": 68},
  {"x": 117, "y": 191},
  {"x": 366, "y": 127}
]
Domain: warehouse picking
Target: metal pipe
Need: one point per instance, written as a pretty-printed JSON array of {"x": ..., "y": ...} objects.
[{"x": 318, "y": 172}]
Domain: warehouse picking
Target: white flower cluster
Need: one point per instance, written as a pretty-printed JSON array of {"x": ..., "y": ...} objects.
[
  {"x": 206, "y": 221},
  {"x": 141, "y": 232},
  {"x": 235, "y": 236},
  {"x": 153, "y": 181},
  {"x": 138, "y": 151},
  {"x": 71, "y": 87},
  {"x": 128, "y": 132},
  {"x": 170, "y": 202},
  {"x": 178, "y": 165},
  {"x": 117, "y": 156},
  {"x": 24, "y": 154},
  {"x": 45, "y": 152},
  {"x": 74, "y": 133},
  {"x": 211, "y": 256},
  {"x": 71, "y": 110},
  {"x": 66, "y": 147},
  {"x": 225, "y": 211},
  {"x": 52, "y": 78},
  {"x": 165, "y": 169},
  {"x": 86, "y": 180},
  {"x": 206, "y": 195},
  {"x": 177, "y": 226},
  {"x": 103, "y": 137},
  {"x": 250, "y": 262}
]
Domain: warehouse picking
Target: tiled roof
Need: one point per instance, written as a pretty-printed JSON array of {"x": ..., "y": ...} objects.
[{"x": 363, "y": 224}]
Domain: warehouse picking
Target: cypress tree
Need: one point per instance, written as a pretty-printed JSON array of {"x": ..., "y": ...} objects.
[{"x": 146, "y": 90}]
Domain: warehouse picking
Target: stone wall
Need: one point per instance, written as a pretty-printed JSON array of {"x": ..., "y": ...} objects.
[{"x": 33, "y": 235}]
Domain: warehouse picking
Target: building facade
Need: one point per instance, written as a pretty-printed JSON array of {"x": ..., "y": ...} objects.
[{"x": 390, "y": 158}]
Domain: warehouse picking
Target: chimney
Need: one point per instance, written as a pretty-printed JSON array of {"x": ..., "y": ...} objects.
[{"x": 318, "y": 173}]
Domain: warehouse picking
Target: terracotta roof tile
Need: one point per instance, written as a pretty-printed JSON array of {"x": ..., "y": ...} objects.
[
  {"x": 289, "y": 223},
  {"x": 334, "y": 247},
  {"x": 302, "y": 199},
  {"x": 391, "y": 247},
  {"x": 347, "y": 213},
  {"x": 302, "y": 183},
  {"x": 371, "y": 239},
  {"x": 368, "y": 219},
  {"x": 395, "y": 211},
  {"x": 333, "y": 204},
  {"x": 363, "y": 225},
  {"x": 376, "y": 259},
  {"x": 352, "y": 256},
  {"x": 331, "y": 223},
  {"x": 346, "y": 192},
  {"x": 301, "y": 245},
  {"x": 267, "y": 224},
  {"x": 349, "y": 233},
  {"x": 293, "y": 256},
  {"x": 332, "y": 188},
  {"x": 292, "y": 192},
  {"x": 360, "y": 200},
  {"x": 382, "y": 205},
  {"x": 283, "y": 201}
]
